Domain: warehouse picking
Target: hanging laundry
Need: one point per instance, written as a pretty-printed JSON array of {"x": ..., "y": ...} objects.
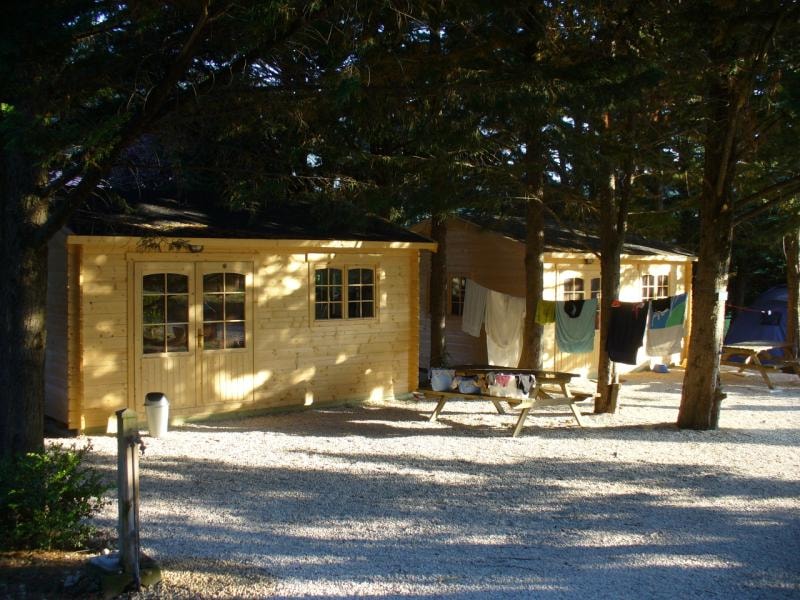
[
  {"x": 626, "y": 331},
  {"x": 575, "y": 325},
  {"x": 665, "y": 325},
  {"x": 545, "y": 312},
  {"x": 474, "y": 308},
  {"x": 504, "y": 323}
]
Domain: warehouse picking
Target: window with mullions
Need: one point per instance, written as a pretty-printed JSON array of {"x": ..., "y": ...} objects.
[
  {"x": 328, "y": 295},
  {"x": 331, "y": 294},
  {"x": 165, "y": 313},
  {"x": 655, "y": 286},
  {"x": 458, "y": 287},
  {"x": 360, "y": 293},
  {"x": 573, "y": 289},
  {"x": 223, "y": 311}
]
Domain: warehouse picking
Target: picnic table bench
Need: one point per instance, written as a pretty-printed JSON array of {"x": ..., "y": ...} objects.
[
  {"x": 538, "y": 396},
  {"x": 755, "y": 355}
]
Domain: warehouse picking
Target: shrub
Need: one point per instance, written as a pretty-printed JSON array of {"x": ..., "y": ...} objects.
[{"x": 45, "y": 497}]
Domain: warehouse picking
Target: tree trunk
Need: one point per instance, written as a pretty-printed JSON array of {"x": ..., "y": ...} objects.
[
  {"x": 438, "y": 291},
  {"x": 613, "y": 222},
  {"x": 534, "y": 267},
  {"x": 791, "y": 248},
  {"x": 702, "y": 394},
  {"x": 23, "y": 271}
]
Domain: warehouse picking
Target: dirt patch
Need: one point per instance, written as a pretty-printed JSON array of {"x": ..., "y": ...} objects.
[{"x": 46, "y": 574}]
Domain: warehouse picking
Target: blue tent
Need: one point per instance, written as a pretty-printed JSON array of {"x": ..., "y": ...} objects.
[{"x": 764, "y": 320}]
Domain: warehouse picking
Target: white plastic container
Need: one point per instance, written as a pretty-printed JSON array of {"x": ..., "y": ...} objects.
[{"x": 156, "y": 406}]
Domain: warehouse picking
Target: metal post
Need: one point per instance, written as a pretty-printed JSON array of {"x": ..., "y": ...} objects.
[{"x": 128, "y": 492}]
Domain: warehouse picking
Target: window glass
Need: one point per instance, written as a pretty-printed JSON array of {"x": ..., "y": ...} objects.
[
  {"x": 662, "y": 290},
  {"x": 360, "y": 293},
  {"x": 655, "y": 287},
  {"x": 648, "y": 287},
  {"x": 153, "y": 283},
  {"x": 458, "y": 287},
  {"x": 153, "y": 338},
  {"x": 234, "y": 307},
  {"x": 234, "y": 335},
  {"x": 165, "y": 313},
  {"x": 177, "y": 338},
  {"x": 213, "y": 307},
  {"x": 214, "y": 282},
  {"x": 234, "y": 282},
  {"x": 573, "y": 288},
  {"x": 152, "y": 309},
  {"x": 213, "y": 336},
  {"x": 177, "y": 308},
  {"x": 224, "y": 314},
  {"x": 177, "y": 284},
  {"x": 328, "y": 294}
]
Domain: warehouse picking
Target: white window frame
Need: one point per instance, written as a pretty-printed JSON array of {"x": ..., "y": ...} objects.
[{"x": 345, "y": 269}]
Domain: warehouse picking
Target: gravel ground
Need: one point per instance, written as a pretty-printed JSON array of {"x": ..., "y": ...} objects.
[{"x": 375, "y": 501}]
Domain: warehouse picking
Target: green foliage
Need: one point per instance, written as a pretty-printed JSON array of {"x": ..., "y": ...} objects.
[{"x": 45, "y": 497}]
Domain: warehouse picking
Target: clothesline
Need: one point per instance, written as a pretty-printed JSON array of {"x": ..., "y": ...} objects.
[
  {"x": 748, "y": 309},
  {"x": 503, "y": 317}
]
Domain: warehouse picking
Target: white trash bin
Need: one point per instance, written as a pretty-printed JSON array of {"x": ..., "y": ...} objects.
[{"x": 157, "y": 407}]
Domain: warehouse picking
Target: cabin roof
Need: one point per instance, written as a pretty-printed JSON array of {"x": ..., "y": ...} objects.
[
  {"x": 168, "y": 217},
  {"x": 562, "y": 237}
]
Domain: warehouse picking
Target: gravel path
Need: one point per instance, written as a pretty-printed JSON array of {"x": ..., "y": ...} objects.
[{"x": 377, "y": 502}]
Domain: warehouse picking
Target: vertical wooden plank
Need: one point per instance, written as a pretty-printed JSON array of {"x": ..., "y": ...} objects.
[{"x": 413, "y": 320}]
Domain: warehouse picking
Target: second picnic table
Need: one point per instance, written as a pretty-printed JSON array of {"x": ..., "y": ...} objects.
[
  {"x": 749, "y": 355},
  {"x": 537, "y": 397}
]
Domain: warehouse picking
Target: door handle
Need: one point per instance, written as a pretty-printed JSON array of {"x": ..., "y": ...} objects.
[{"x": 200, "y": 338}]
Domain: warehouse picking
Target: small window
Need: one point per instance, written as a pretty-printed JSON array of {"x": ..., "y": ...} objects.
[
  {"x": 655, "y": 287},
  {"x": 165, "y": 313},
  {"x": 328, "y": 295},
  {"x": 360, "y": 293},
  {"x": 458, "y": 287},
  {"x": 332, "y": 294},
  {"x": 573, "y": 289}
]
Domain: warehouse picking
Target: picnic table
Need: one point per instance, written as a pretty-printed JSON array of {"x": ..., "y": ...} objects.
[
  {"x": 537, "y": 397},
  {"x": 756, "y": 355}
]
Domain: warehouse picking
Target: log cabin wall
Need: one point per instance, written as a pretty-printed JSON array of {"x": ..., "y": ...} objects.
[{"x": 296, "y": 360}]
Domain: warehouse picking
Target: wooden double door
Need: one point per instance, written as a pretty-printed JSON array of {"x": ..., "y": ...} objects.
[{"x": 193, "y": 333}]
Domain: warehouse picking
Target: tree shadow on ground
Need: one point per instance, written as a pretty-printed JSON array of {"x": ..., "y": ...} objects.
[{"x": 426, "y": 526}]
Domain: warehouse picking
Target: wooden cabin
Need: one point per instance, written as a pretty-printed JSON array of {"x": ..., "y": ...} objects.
[
  {"x": 228, "y": 312},
  {"x": 492, "y": 253}
]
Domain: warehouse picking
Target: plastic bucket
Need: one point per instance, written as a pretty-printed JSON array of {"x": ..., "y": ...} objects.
[{"x": 156, "y": 406}]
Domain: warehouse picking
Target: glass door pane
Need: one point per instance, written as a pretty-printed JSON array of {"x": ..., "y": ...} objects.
[{"x": 165, "y": 313}]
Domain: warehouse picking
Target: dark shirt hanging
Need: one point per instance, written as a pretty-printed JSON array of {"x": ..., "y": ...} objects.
[{"x": 626, "y": 331}]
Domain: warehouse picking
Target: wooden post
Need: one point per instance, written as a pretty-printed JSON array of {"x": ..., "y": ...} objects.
[{"x": 128, "y": 492}]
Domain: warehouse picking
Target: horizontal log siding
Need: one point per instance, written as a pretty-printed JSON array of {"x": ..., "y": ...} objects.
[
  {"x": 297, "y": 361},
  {"x": 104, "y": 334},
  {"x": 300, "y": 361}
]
